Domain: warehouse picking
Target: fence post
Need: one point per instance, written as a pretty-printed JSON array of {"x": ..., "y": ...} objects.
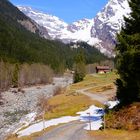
[{"x": 89, "y": 122}]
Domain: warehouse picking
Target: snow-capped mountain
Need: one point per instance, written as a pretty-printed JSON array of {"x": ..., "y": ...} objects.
[
  {"x": 108, "y": 22},
  {"x": 52, "y": 23},
  {"x": 58, "y": 29},
  {"x": 99, "y": 31}
]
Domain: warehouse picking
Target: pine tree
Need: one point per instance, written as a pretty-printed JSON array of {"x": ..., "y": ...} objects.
[
  {"x": 128, "y": 57},
  {"x": 79, "y": 67},
  {"x": 15, "y": 76}
]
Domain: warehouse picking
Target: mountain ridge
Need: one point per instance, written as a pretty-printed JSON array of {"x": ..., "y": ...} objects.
[
  {"x": 99, "y": 31},
  {"x": 19, "y": 45},
  {"x": 25, "y": 21}
]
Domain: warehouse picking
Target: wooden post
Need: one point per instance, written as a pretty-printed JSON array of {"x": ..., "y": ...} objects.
[
  {"x": 104, "y": 121},
  {"x": 89, "y": 122},
  {"x": 43, "y": 117}
]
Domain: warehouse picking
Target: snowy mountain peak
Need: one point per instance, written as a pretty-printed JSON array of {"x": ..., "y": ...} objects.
[
  {"x": 29, "y": 10},
  {"x": 57, "y": 28},
  {"x": 108, "y": 22},
  {"x": 24, "y": 8},
  {"x": 99, "y": 31},
  {"x": 80, "y": 25},
  {"x": 52, "y": 23}
]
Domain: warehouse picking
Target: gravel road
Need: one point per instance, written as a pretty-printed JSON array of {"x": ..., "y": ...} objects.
[
  {"x": 102, "y": 98},
  {"x": 70, "y": 131}
]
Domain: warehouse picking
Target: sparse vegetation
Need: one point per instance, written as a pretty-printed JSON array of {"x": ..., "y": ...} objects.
[
  {"x": 127, "y": 118},
  {"x": 44, "y": 107},
  {"x": 58, "y": 91},
  {"x": 68, "y": 104},
  {"x": 102, "y": 88}
]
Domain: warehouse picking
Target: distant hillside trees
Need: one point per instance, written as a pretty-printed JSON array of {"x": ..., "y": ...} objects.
[
  {"x": 19, "y": 75},
  {"x": 128, "y": 57},
  {"x": 6, "y": 75},
  {"x": 34, "y": 74}
]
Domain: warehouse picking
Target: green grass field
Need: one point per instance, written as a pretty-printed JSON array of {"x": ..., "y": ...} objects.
[{"x": 91, "y": 81}]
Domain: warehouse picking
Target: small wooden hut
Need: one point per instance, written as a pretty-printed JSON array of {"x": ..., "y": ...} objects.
[{"x": 102, "y": 69}]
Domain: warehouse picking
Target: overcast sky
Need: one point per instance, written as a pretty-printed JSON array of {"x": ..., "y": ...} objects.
[{"x": 67, "y": 10}]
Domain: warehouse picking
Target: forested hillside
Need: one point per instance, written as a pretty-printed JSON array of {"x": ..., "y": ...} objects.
[{"x": 17, "y": 44}]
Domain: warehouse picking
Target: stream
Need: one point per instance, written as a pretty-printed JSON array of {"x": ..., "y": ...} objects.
[{"x": 17, "y": 104}]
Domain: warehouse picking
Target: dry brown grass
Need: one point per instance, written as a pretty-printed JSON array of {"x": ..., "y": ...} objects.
[
  {"x": 58, "y": 91},
  {"x": 91, "y": 81},
  {"x": 102, "y": 88},
  {"x": 115, "y": 135},
  {"x": 127, "y": 118},
  {"x": 69, "y": 104}
]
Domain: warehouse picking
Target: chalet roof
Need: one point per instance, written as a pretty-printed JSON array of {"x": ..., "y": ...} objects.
[{"x": 103, "y": 67}]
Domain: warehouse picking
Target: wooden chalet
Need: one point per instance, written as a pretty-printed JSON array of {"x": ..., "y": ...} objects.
[{"x": 102, "y": 69}]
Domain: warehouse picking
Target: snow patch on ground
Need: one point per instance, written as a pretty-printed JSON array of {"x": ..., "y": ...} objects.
[
  {"x": 95, "y": 119},
  {"x": 112, "y": 104},
  {"x": 92, "y": 116},
  {"x": 26, "y": 121},
  {"x": 39, "y": 126}
]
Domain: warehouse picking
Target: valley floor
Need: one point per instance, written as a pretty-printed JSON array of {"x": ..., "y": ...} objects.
[{"x": 95, "y": 89}]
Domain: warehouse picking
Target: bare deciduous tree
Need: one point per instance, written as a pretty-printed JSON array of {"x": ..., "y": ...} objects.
[
  {"x": 44, "y": 107},
  {"x": 23, "y": 74},
  {"x": 35, "y": 74}
]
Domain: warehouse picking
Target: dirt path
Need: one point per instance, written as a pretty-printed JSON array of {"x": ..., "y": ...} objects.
[
  {"x": 94, "y": 96},
  {"x": 70, "y": 131}
]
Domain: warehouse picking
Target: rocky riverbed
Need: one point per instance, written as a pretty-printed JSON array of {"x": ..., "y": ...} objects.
[{"x": 18, "y": 103}]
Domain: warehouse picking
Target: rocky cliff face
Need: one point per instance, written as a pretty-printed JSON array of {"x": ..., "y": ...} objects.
[
  {"x": 33, "y": 27},
  {"x": 9, "y": 11},
  {"x": 108, "y": 22},
  {"x": 99, "y": 31},
  {"x": 52, "y": 24}
]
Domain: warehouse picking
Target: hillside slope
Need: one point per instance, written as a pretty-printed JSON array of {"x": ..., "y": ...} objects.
[
  {"x": 21, "y": 44},
  {"x": 8, "y": 11},
  {"x": 18, "y": 43}
]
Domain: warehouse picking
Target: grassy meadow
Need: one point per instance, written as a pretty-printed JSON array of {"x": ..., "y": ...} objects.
[{"x": 69, "y": 102}]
